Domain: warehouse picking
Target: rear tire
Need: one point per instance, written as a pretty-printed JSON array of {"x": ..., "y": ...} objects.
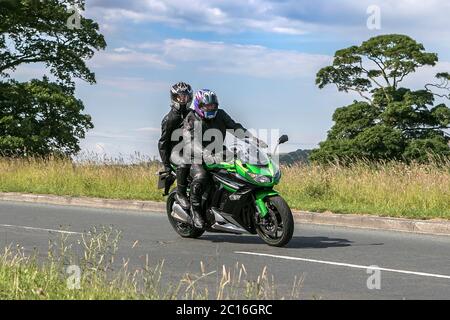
[
  {"x": 279, "y": 210},
  {"x": 183, "y": 229}
]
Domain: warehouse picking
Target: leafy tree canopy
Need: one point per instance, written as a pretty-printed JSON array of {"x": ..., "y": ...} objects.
[
  {"x": 40, "y": 117},
  {"x": 33, "y": 31},
  {"x": 391, "y": 122}
]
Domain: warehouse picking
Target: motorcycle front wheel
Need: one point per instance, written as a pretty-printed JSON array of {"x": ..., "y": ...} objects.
[{"x": 277, "y": 227}]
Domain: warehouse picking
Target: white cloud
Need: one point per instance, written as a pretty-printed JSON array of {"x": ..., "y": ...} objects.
[
  {"x": 122, "y": 50},
  {"x": 112, "y": 146},
  {"x": 426, "y": 75},
  {"x": 149, "y": 130},
  {"x": 252, "y": 60},
  {"x": 125, "y": 57},
  {"x": 280, "y": 25},
  {"x": 108, "y": 135},
  {"x": 134, "y": 84},
  {"x": 218, "y": 16},
  {"x": 134, "y": 135},
  {"x": 100, "y": 148},
  {"x": 344, "y": 19}
]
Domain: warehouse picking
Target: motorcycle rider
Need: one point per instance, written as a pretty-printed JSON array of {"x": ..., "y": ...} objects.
[
  {"x": 205, "y": 114},
  {"x": 181, "y": 96}
]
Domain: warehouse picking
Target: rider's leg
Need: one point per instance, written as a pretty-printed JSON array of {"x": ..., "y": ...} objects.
[
  {"x": 182, "y": 178},
  {"x": 199, "y": 180}
]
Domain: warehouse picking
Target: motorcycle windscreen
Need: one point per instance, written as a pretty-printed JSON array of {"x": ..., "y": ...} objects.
[{"x": 249, "y": 153}]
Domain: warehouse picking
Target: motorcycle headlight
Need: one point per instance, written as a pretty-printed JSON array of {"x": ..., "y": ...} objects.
[{"x": 260, "y": 178}]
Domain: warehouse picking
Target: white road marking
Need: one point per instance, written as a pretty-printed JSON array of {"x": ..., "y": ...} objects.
[
  {"x": 39, "y": 229},
  {"x": 423, "y": 274}
]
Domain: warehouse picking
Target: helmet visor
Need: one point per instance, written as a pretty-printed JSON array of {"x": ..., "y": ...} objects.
[
  {"x": 182, "y": 98},
  {"x": 210, "y": 110},
  {"x": 210, "y": 107}
]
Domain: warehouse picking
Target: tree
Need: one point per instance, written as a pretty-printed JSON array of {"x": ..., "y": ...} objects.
[
  {"x": 381, "y": 62},
  {"x": 392, "y": 122},
  {"x": 42, "y": 117},
  {"x": 39, "y": 118},
  {"x": 33, "y": 31}
]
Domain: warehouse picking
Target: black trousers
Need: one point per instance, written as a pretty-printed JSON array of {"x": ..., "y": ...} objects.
[
  {"x": 199, "y": 183},
  {"x": 183, "y": 172}
]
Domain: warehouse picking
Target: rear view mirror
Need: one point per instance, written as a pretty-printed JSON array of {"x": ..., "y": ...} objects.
[{"x": 283, "y": 139}]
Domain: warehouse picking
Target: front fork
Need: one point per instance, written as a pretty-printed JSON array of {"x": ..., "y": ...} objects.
[{"x": 259, "y": 201}]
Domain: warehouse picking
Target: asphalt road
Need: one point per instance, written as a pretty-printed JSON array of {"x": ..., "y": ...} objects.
[{"x": 332, "y": 261}]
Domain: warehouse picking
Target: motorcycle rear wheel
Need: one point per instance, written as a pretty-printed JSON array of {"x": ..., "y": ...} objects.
[{"x": 185, "y": 230}]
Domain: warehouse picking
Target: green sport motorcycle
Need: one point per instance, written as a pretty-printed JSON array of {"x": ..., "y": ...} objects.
[{"x": 240, "y": 198}]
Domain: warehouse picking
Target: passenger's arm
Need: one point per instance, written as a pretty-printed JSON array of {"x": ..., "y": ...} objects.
[{"x": 165, "y": 143}]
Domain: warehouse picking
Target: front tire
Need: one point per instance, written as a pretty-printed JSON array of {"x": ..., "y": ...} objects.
[
  {"x": 277, "y": 228},
  {"x": 185, "y": 230}
]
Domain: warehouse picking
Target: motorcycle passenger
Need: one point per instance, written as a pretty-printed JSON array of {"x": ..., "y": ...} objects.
[{"x": 181, "y": 96}]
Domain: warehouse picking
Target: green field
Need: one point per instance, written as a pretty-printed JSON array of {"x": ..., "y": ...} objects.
[{"x": 390, "y": 189}]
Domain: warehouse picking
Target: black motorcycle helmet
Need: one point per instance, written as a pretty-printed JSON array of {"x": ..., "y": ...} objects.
[{"x": 181, "y": 95}]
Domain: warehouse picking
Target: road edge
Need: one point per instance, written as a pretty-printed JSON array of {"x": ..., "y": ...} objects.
[{"x": 435, "y": 227}]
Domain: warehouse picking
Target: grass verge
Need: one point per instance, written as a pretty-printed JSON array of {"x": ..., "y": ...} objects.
[
  {"x": 389, "y": 189},
  {"x": 86, "y": 270}
]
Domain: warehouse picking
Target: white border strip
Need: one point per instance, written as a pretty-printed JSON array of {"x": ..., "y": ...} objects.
[
  {"x": 38, "y": 229},
  {"x": 423, "y": 274}
]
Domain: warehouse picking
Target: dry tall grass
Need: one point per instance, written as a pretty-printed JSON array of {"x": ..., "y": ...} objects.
[
  {"x": 391, "y": 189},
  {"x": 24, "y": 276}
]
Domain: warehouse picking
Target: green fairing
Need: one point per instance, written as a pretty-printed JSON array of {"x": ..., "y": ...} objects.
[
  {"x": 230, "y": 167},
  {"x": 223, "y": 165},
  {"x": 260, "y": 196},
  {"x": 248, "y": 168},
  {"x": 229, "y": 189},
  {"x": 266, "y": 171},
  {"x": 244, "y": 171}
]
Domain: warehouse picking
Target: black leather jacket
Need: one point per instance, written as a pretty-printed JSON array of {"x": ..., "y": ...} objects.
[
  {"x": 172, "y": 121},
  {"x": 221, "y": 122}
]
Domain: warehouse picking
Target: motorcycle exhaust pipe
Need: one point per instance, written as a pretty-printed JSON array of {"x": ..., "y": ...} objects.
[
  {"x": 225, "y": 226},
  {"x": 180, "y": 215}
]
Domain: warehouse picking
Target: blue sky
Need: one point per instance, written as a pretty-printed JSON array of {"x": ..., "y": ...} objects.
[{"x": 260, "y": 56}]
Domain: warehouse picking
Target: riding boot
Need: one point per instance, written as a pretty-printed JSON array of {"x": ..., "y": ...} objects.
[
  {"x": 197, "y": 217},
  {"x": 181, "y": 195},
  {"x": 196, "y": 205}
]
